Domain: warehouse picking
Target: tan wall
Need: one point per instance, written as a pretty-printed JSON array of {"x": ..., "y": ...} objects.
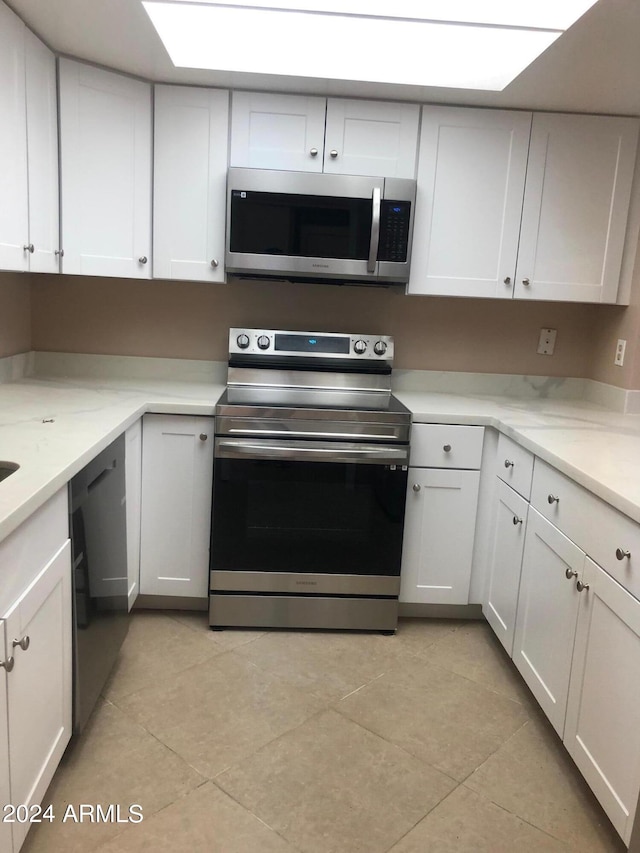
[
  {"x": 15, "y": 313},
  {"x": 185, "y": 320}
]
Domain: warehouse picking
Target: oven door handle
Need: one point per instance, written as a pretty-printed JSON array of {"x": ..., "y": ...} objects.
[{"x": 312, "y": 452}]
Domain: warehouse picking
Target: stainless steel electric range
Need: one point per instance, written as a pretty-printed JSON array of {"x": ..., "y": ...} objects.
[{"x": 310, "y": 477}]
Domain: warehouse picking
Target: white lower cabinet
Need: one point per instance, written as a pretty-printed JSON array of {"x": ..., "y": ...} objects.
[
  {"x": 439, "y": 532},
  {"x": 602, "y": 731},
  {"x": 36, "y": 657},
  {"x": 547, "y": 612},
  {"x": 177, "y": 477},
  {"x": 503, "y": 580},
  {"x": 133, "y": 488}
]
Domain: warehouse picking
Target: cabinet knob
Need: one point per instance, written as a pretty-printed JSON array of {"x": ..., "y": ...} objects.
[
  {"x": 580, "y": 586},
  {"x": 29, "y": 247},
  {"x": 59, "y": 253},
  {"x": 214, "y": 263},
  {"x": 203, "y": 436},
  {"x": 8, "y": 664},
  {"x": 526, "y": 282},
  {"x": 552, "y": 499},
  {"x": 570, "y": 573},
  {"x": 314, "y": 152},
  {"x": 416, "y": 487},
  {"x": 333, "y": 153},
  {"x": 143, "y": 259},
  {"x": 23, "y": 643},
  {"x": 508, "y": 463},
  {"x": 447, "y": 448},
  {"x": 621, "y": 554},
  {"x": 507, "y": 280},
  {"x": 517, "y": 520}
]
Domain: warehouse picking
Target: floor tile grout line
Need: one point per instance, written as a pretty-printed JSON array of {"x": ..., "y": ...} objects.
[{"x": 424, "y": 817}]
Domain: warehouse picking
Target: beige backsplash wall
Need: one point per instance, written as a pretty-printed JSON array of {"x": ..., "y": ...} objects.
[
  {"x": 186, "y": 320},
  {"x": 15, "y": 313}
]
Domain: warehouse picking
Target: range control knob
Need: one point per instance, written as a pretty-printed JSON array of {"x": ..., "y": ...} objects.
[
  {"x": 359, "y": 347},
  {"x": 263, "y": 342},
  {"x": 380, "y": 348},
  {"x": 242, "y": 341}
]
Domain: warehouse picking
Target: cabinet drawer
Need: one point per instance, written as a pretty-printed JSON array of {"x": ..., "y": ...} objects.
[
  {"x": 446, "y": 446},
  {"x": 605, "y": 534},
  {"x": 514, "y": 465}
]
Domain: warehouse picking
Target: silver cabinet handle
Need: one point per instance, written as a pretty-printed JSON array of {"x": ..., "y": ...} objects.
[
  {"x": 507, "y": 280},
  {"x": 446, "y": 448},
  {"x": 203, "y": 436},
  {"x": 23, "y": 643},
  {"x": 570, "y": 573},
  {"x": 621, "y": 554},
  {"x": 580, "y": 586},
  {"x": 508, "y": 463},
  {"x": 333, "y": 153},
  {"x": 416, "y": 487},
  {"x": 142, "y": 259},
  {"x": 214, "y": 263},
  {"x": 8, "y": 664},
  {"x": 552, "y": 499},
  {"x": 517, "y": 520},
  {"x": 59, "y": 253},
  {"x": 375, "y": 229},
  {"x": 526, "y": 282},
  {"x": 29, "y": 247},
  {"x": 314, "y": 152}
]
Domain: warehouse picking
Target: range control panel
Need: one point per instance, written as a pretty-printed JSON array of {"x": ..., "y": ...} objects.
[{"x": 276, "y": 342}]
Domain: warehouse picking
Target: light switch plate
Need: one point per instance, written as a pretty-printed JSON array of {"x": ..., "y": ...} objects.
[{"x": 547, "y": 341}]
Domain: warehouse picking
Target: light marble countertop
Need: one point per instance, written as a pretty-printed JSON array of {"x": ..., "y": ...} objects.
[{"x": 598, "y": 448}]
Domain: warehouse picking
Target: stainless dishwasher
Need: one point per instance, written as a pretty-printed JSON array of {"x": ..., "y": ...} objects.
[{"x": 99, "y": 553}]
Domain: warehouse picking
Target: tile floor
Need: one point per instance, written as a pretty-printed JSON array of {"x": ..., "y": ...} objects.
[{"x": 278, "y": 742}]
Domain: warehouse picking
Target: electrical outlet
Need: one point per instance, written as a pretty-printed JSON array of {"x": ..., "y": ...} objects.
[
  {"x": 620, "y": 348},
  {"x": 547, "y": 341}
]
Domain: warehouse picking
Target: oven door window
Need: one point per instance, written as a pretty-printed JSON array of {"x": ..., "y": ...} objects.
[
  {"x": 301, "y": 226},
  {"x": 315, "y": 517}
]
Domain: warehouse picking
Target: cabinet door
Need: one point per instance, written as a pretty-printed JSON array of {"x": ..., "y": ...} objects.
[
  {"x": 105, "y": 157},
  {"x": 471, "y": 181},
  {"x": 575, "y": 207},
  {"x": 39, "y": 686},
  {"x": 371, "y": 138},
  {"x": 503, "y": 581},
  {"x": 277, "y": 131},
  {"x": 5, "y": 790},
  {"x": 190, "y": 173},
  {"x": 439, "y": 532},
  {"x": 177, "y": 474},
  {"x": 42, "y": 148},
  {"x": 14, "y": 223},
  {"x": 133, "y": 481},
  {"x": 547, "y": 612},
  {"x": 602, "y": 733}
]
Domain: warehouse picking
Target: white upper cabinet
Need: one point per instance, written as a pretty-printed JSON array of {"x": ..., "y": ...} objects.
[
  {"x": 42, "y": 155},
  {"x": 288, "y": 132},
  {"x": 14, "y": 211},
  {"x": 371, "y": 138},
  {"x": 105, "y": 140},
  {"x": 576, "y": 202},
  {"x": 471, "y": 178},
  {"x": 277, "y": 131},
  {"x": 29, "y": 232},
  {"x": 190, "y": 172}
]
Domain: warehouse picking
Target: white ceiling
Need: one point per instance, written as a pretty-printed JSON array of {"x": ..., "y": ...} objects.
[{"x": 594, "y": 67}]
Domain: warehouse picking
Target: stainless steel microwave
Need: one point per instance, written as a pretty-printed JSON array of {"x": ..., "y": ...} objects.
[{"x": 304, "y": 226}]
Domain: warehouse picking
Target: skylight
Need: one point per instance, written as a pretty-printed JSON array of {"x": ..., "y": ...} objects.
[{"x": 466, "y": 44}]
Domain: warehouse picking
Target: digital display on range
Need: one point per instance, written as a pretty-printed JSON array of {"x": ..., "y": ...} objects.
[{"x": 311, "y": 343}]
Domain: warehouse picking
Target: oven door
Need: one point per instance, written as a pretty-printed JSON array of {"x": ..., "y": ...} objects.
[{"x": 307, "y": 516}]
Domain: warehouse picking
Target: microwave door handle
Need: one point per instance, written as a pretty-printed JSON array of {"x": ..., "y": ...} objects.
[{"x": 375, "y": 230}]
